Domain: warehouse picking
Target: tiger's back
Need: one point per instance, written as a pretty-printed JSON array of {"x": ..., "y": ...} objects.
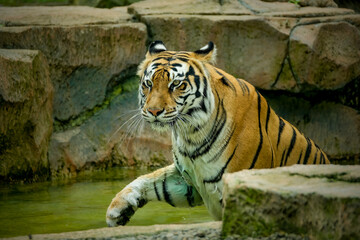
[{"x": 268, "y": 140}]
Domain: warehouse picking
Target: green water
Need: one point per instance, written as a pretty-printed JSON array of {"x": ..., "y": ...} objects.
[{"x": 79, "y": 204}]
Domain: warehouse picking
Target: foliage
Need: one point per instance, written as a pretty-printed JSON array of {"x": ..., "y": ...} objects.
[{"x": 296, "y": 2}]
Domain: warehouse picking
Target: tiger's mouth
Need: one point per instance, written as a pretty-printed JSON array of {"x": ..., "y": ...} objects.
[{"x": 161, "y": 125}]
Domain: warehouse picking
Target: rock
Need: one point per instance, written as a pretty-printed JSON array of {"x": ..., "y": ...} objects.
[
  {"x": 269, "y": 31},
  {"x": 318, "y": 3},
  {"x": 307, "y": 12},
  {"x": 322, "y": 202},
  {"x": 338, "y": 134},
  {"x": 181, "y": 231},
  {"x": 313, "y": 3},
  {"x": 110, "y": 137},
  {"x": 200, "y": 7},
  {"x": 84, "y": 52},
  {"x": 351, "y": 4},
  {"x": 243, "y": 42},
  {"x": 61, "y": 16},
  {"x": 258, "y": 6},
  {"x": 26, "y": 95},
  {"x": 324, "y": 56}
]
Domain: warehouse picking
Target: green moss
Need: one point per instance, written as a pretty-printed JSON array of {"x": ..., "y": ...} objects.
[
  {"x": 330, "y": 177},
  {"x": 127, "y": 85},
  {"x": 244, "y": 222},
  {"x": 5, "y": 143}
]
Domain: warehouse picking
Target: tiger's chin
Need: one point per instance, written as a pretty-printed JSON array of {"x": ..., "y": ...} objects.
[{"x": 160, "y": 126}]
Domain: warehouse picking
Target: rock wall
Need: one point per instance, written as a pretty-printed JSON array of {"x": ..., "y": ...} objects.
[
  {"x": 26, "y": 103},
  {"x": 304, "y": 60}
]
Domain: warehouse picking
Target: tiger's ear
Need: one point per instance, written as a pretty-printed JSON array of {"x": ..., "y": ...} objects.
[
  {"x": 155, "y": 48},
  {"x": 207, "y": 53}
]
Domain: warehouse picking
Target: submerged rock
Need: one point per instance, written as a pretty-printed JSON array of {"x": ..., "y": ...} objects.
[
  {"x": 26, "y": 96},
  {"x": 322, "y": 202}
]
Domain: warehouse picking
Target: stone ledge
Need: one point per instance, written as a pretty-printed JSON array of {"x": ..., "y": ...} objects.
[
  {"x": 61, "y": 16},
  {"x": 122, "y": 231},
  {"x": 322, "y": 202}
]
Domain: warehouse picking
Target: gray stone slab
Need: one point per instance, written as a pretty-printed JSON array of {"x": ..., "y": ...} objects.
[
  {"x": 61, "y": 16},
  {"x": 322, "y": 202}
]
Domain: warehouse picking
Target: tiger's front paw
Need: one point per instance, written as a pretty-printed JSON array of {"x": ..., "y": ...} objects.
[{"x": 123, "y": 206}]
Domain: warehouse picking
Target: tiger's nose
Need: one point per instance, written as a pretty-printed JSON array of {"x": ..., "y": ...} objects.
[{"x": 155, "y": 111}]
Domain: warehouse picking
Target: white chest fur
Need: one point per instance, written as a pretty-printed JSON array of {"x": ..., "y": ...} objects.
[{"x": 196, "y": 171}]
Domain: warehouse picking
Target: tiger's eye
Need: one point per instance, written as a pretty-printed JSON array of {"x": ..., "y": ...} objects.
[
  {"x": 148, "y": 83},
  {"x": 176, "y": 83}
]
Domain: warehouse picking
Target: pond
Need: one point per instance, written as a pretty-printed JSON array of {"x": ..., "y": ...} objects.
[{"x": 80, "y": 204}]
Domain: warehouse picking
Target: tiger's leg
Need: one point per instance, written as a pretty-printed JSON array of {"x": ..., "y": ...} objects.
[{"x": 165, "y": 184}]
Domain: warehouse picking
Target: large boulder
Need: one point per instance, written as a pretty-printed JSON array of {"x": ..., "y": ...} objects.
[
  {"x": 322, "y": 56},
  {"x": 26, "y": 97},
  {"x": 322, "y": 202},
  {"x": 86, "y": 48}
]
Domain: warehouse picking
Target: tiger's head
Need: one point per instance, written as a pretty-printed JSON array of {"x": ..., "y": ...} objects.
[{"x": 175, "y": 87}]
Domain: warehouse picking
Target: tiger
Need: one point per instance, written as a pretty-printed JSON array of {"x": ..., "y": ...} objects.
[{"x": 219, "y": 124}]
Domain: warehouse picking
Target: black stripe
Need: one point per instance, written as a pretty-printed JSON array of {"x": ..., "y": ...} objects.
[
  {"x": 222, "y": 149},
  {"x": 157, "y": 193},
  {"x": 322, "y": 158},
  {"x": 308, "y": 151},
  {"x": 247, "y": 88},
  {"x": 241, "y": 84},
  {"x": 155, "y": 65},
  {"x": 189, "y": 196},
  {"x": 292, "y": 143},
  {"x": 298, "y": 162},
  {"x": 183, "y": 59},
  {"x": 220, "y": 121},
  {"x": 218, "y": 177},
  {"x": 282, "y": 158},
  {"x": 226, "y": 81},
  {"x": 182, "y": 53},
  {"x": 191, "y": 72},
  {"x": 261, "y": 135},
  {"x": 317, "y": 150},
  {"x": 167, "y": 58},
  {"x": 267, "y": 117},
  {"x": 166, "y": 193},
  {"x": 281, "y": 128}
]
